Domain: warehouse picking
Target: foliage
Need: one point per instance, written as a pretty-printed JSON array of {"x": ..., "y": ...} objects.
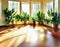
[
  {"x": 34, "y": 19},
  {"x": 25, "y": 16},
  {"x": 40, "y": 16},
  {"x": 48, "y": 20},
  {"x": 56, "y": 19},
  {"x": 18, "y": 17},
  {"x": 10, "y": 14},
  {"x": 50, "y": 13}
]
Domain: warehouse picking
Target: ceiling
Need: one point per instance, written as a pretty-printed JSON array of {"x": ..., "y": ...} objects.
[{"x": 34, "y": 0}]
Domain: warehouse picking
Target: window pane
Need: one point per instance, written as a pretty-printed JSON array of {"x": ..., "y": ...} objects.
[
  {"x": 35, "y": 9},
  {"x": 14, "y": 5},
  {"x": 56, "y": 5},
  {"x": 25, "y": 8},
  {"x": 49, "y": 6}
]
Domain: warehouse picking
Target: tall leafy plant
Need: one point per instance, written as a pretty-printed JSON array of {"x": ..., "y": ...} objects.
[
  {"x": 18, "y": 17},
  {"x": 40, "y": 16},
  {"x": 10, "y": 15},
  {"x": 56, "y": 20},
  {"x": 25, "y": 17}
]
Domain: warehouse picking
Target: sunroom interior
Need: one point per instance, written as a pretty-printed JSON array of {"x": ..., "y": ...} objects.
[{"x": 29, "y": 23}]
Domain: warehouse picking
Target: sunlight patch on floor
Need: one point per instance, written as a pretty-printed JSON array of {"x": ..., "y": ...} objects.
[{"x": 33, "y": 34}]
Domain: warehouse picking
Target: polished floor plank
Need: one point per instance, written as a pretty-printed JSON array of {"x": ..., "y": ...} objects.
[{"x": 35, "y": 37}]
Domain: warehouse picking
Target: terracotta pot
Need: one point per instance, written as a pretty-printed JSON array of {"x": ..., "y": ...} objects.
[
  {"x": 12, "y": 24},
  {"x": 56, "y": 28},
  {"x": 34, "y": 23},
  {"x": 39, "y": 23},
  {"x": 24, "y": 22}
]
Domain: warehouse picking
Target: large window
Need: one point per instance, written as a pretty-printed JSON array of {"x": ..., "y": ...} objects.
[
  {"x": 35, "y": 9},
  {"x": 14, "y": 5},
  {"x": 25, "y": 7}
]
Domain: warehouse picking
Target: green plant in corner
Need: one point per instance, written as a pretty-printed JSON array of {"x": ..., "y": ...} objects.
[
  {"x": 56, "y": 20},
  {"x": 10, "y": 15}
]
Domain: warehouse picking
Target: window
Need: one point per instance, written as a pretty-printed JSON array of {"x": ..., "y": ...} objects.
[
  {"x": 25, "y": 8},
  {"x": 35, "y": 9},
  {"x": 56, "y": 5},
  {"x": 14, "y": 5},
  {"x": 49, "y": 6}
]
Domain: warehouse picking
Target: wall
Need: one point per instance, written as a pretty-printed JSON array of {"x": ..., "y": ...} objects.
[
  {"x": 0, "y": 14},
  {"x": 4, "y": 4}
]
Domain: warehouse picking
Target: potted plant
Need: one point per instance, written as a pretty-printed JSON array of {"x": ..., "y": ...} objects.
[
  {"x": 18, "y": 17},
  {"x": 56, "y": 21},
  {"x": 41, "y": 17},
  {"x": 10, "y": 14},
  {"x": 34, "y": 21},
  {"x": 25, "y": 17}
]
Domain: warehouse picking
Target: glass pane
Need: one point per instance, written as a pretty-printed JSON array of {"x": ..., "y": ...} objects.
[
  {"x": 56, "y": 5},
  {"x": 25, "y": 8},
  {"x": 14, "y": 5},
  {"x": 49, "y": 6},
  {"x": 35, "y": 9}
]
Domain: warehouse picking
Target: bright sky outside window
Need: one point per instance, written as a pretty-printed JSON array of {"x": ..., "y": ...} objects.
[
  {"x": 25, "y": 7},
  {"x": 14, "y": 5},
  {"x": 56, "y": 5},
  {"x": 49, "y": 6},
  {"x": 35, "y": 9}
]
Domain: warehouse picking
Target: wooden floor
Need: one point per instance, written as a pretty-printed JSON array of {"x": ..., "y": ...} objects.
[{"x": 35, "y": 37}]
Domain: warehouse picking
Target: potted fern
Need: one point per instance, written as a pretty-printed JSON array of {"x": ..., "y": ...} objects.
[
  {"x": 56, "y": 20},
  {"x": 40, "y": 16},
  {"x": 25, "y": 17},
  {"x": 34, "y": 21},
  {"x": 18, "y": 18},
  {"x": 10, "y": 15}
]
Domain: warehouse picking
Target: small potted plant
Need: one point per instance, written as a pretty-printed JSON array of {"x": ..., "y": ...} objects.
[
  {"x": 56, "y": 21},
  {"x": 18, "y": 17},
  {"x": 34, "y": 21},
  {"x": 41, "y": 17},
  {"x": 25, "y": 17}
]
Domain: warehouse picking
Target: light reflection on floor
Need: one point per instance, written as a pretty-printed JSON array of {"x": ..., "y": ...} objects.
[
  {"x": 34, "y": 37},
  {"x": 33, "y": 34},
  {"x": 37, "y": 37}
]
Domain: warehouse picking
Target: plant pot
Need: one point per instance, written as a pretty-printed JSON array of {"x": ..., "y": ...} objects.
[
  {"x": 34, "y": 23},
  {"x": 39, "y": 23},
  {"x": 56, "y": 32},
  {"x": 12, "y": 24},
  {"x": 56, "y": 28},
  {"x": 24, "y": 23}
]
